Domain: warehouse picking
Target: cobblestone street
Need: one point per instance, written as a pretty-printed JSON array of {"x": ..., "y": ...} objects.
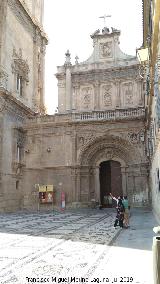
[
  {"x": 52, "y": 244},
  {"x": 44, "y": 247}
]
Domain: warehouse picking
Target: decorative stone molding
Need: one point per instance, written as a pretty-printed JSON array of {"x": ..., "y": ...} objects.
[
  {"x": 136, "y": 137},
  {"x": 17, "y": 167},
  {"x": 127, "y": 73},
  {"x": 127, "y": 90},
  {"x": 119, "y": 147},
  {"x": 3, "y": 78},
  {"x": 110, "y": 115},
  {"x": 20, "y": 138},
  {"x": 86, "y": 97},
  {"x": 19, "y": 65},
  {"x": 106, "y": 92},
  {"x": 62, "y": 84},
  {"x": 109, "y": 154},
  {"x": 106, "y": 49},
  {"x": 84, "y": 140},
  {"x": 23, "y": 14}
]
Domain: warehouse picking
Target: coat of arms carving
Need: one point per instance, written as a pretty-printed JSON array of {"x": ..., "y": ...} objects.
[{"x": 106, "y": 49}]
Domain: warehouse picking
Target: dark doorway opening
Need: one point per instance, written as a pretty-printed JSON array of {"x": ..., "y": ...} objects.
[{"x": 110, "y": 181}]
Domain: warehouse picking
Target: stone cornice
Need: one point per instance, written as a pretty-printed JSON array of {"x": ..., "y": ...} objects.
[
  {"x": 98, "y": 69},
  {"x": 120, "y": 116},
  {"x": 115, "y": 73},
  {"x": 15, "y": 106},
  {"x": 25, "y": 16}
]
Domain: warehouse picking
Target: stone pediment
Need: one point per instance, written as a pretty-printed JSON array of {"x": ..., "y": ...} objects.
[
  {"x": 106, "y": 49},
  {"x": 108, "y": 80}
]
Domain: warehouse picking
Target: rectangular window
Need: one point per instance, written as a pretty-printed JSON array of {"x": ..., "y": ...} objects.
[
  {"x": 19, "y": 84},
  {"x": 19, "y": 154}
]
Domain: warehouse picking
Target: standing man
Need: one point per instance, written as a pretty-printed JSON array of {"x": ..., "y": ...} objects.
[{"x": 120, "y": 211}]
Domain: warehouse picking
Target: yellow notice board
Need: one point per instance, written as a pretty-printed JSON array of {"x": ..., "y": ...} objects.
[
  {"x": 46, "y": 188},
  {"x": 42, "y": 188},
  {"x": 49, "y": 187}
]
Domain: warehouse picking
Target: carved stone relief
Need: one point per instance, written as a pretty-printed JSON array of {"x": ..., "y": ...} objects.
[
  {"x": 130, "y": 74},
  {"x": 109, "y": 154},
  {"x": 106, "y": 49},
  {"x": 136, "y": 137},
  {"x": 86, "y": 97},
  {"x": 128, "y": 94},
  {"x": 106, "y": 95},
  {"x": 84, "y": 140},
  {"x": 133, "y": 136},
  {"x": 3, "y": 78},
  {"x": 111, "y": 146},
  {"x": 19, "y": 65}
]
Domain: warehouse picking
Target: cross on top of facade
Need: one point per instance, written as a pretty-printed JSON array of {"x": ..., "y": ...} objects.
[{"x": 104, "y": 18}]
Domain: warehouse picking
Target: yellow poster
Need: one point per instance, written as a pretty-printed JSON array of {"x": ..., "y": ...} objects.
[
  {"x": 46, "y": 188},
  {"x": 42, "y": 188},
  {"x": 49, "y": 187}
]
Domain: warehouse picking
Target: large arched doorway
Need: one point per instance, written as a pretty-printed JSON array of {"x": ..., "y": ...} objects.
[{"x": 110, "y": 181}]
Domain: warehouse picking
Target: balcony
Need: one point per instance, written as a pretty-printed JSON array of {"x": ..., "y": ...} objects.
[{"x": 110, "y": 115}]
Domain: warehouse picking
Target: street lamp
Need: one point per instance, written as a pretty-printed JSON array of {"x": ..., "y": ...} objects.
[
  {"x": 142, "y": 54},
  {"x": 143, "y": 58}
]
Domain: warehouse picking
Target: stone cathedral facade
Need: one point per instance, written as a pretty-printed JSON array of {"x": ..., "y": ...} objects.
[{"x": 94, "y": 145}]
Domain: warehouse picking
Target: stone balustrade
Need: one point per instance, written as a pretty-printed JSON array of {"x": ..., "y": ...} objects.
[{"x": 110, "y": 115}]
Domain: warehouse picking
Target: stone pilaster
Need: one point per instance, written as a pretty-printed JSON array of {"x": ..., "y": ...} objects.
[
  {"x": 97, "y": 95},
  {"x": 77, "y": 188},
  {"x": 118, "y": 100},
  {"x": 3, "y": 13},
  {"x": 42, "y": 72},
  {"x": 74, "y": 96},
  {"x": 68, "y": 88},
  {"x": 97, "y": 184},
  {"x": 124, "y": 180}
]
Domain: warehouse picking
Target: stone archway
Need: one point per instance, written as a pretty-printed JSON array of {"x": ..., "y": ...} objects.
[{"x": 105, "y": 149}]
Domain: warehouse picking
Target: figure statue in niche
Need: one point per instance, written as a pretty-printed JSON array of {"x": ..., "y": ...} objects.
[
  {"x": 81, "y": 141},
  {"x": 107, "y": 96},
  {"x": 129, "y": 94},
  {"x": 87, "y": 96}
]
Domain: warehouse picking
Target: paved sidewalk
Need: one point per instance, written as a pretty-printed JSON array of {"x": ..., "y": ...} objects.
[
  {"x": 130, "y": 257},
  {"x": 75, "y": 247}
]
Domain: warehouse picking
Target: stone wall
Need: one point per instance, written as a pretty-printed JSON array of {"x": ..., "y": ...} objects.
[
  {"x": 68, "y": 155},
  {"x": 23, "y": 49}
]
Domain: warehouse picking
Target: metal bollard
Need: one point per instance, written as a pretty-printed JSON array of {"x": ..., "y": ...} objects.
[{"x": 156, "y": 259}]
